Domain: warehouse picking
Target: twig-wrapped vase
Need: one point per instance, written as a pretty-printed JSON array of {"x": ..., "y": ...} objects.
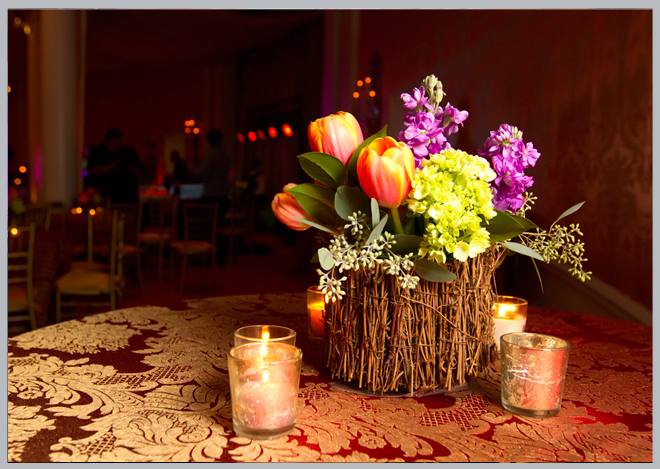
[{"x": 384, "y": 338}]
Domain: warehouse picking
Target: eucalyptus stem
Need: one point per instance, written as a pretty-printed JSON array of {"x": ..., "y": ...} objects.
[{"x": 397, "y": 220}]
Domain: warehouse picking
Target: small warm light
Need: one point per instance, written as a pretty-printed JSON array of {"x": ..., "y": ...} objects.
[
  {"x": 196, "y": 130},
  {"x": 261, "y": 135},
  {"x": 367, "y": 80},
  {"x": 73, "y": 210},
  {"x": 252, "y": 136},
  {"x": 26, "y": 29},
  {"x": 286, "y": 128},
  {"x": 360, "y": 83},
  {"x": 272, "y": 132},
  {"x": 22, "y": 169},
  {"x": 266, "y": 377},
  {"x": 17, "y": 21},
  {"x": 92, "y": 211},
  {"x": 191, "y": 122},
  {"x": 240, "y": 137},
  {"x": 14, "y": 231},
  {"x": 99, "y": 209},
  {"x": 79, "y": 210},
  {"x": 265, "y": 335},
  {"x": 372, "y": 93},
  {"x": 8, "y": 89},
  {"x": 187, "y": 130},
  {"x": 17, "y": 181},
  {"x": 504, "y": 310},
  {"x": 356, "y": 95}
]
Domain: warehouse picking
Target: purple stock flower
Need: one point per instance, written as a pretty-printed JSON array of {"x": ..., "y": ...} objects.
[
  {"x": 510, "y": 156},
  {"x": 452, "y": 118},
  {"x": 418, "y": 99},
  {"x": 422, "y": 131}
]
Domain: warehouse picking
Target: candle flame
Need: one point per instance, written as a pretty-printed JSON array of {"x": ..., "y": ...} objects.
[
  {"x": 265, "y": 335},
  {"x": 505, "y": 310},
  {"x": 266, "y": 377}
]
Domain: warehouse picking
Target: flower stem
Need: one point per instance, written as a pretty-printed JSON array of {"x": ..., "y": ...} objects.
[{"x": 397, "y": 221}]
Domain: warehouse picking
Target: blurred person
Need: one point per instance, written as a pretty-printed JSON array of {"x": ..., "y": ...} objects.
[
  {"x": 215, "y": 171},
  {"x": 179, "y": 174},
  {"x": 114, "y": 168}
]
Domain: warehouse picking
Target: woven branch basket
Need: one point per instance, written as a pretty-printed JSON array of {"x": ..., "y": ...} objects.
[{"x": 383, "y": 338}]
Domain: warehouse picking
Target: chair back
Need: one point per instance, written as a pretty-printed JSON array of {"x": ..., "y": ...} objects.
[
  {"x": 160, "y": 214},
  {"x": 241, "y": 210},
  {"x": 56, "y": 218},
  {"x": 132, "y": 221},
  {"x": 36, "y": 214},
  {"x": 200, "y": 221},
  {"x": 20, "y": 264}
]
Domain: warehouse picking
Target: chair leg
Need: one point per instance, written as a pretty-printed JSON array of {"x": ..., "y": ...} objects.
[
  {"x": 230, "y": 254},
  {"x": 184, "y": 264},
  {"x": 113, "y": 301},
  {"x": 160, "y": 262},
  {"x": 58, "y": 307},
  {"x": 33, "y": 318},
  {"x": 139, "y": 272},
  {"x": 215, "y": 267},
  {"x": 172, "y": 264}
]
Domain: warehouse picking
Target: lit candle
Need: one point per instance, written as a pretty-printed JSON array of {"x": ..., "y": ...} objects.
[
  {"x": 315, "y": 313},
  {"x": 264, "y": 379},
  {"x": 509, "y": 315},
  {"x": 251, "y": 334}
]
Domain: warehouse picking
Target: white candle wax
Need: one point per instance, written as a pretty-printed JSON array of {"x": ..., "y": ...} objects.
[
  {"x": 504, "y": 326},
  {"x": 265, "y": 405}
]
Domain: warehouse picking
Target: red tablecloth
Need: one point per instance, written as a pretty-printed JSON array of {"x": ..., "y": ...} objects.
[{"x": 149, "y": 384}]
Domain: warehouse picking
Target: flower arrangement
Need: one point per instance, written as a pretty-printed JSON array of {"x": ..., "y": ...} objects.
[
  {"x": 433, "y": 202},
  {"x": 435, "y": 220}
]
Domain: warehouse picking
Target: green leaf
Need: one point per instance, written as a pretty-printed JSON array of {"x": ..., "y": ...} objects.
[
  {"x": 406, "y": 244},
  {"x": 503, "y": 227},
  {"x": 378, "y": 230},
  {"x": 349, "y": 200},
  {"x": 571, "y": 210},
  {"x": 318, "y": 202},
  {"x": 324, "y": 168},
  {"x": 318, "y": 226},
  {"x": 409, "y": 226},
  {"x": 524, "y": 222},
  {"x": 375, "y": 212},
  {"x": 315, "y": 257},
  {"x": 326, "y": 259},
  {"x": 352, "y": 163},
  {"x": 520, "y": 249},
  {"x": 432, "y": 271}
]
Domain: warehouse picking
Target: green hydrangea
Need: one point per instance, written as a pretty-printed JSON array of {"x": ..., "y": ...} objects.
[{"x": 452, "y": 193}]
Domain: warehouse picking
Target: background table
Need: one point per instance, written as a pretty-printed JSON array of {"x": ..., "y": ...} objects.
[{"x": 150, "y": 384}]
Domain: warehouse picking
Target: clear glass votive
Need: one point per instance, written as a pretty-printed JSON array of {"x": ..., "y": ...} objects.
[
  {"x": 533, "y": 373},
  {"x": 509, "y": 315},
  {"x": 264, "y": 379},
  {"x": 258, "y": 334},
  {"x": 315, "y": 313}
]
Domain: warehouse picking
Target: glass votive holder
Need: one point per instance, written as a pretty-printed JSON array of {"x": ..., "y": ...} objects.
[
  {"x": 259, "y": 334},
  {"x": 509, "y": 315},
  {"x": 264, "y": 379},
  {"x": 533, "y": 373},
  {"x": 315, "y": 313}
]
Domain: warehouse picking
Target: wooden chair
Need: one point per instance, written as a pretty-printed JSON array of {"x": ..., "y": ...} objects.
[
  {"x": 200, "y": 220},
  {"x": 238, "y": 221},
  {"x": 20, "y": 262},
  {"x": 56, "y": 218},
  {"x": 132, "y": 226},
  {"x": 160, "y": 226},
  {"x": 82, "y": 283}
]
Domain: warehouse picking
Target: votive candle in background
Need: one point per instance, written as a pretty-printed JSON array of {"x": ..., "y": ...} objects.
[
  {"x": 509, "y": 315},
  {"x": 252, "y": 334},
  {"x": 264, "y": 379},
  {"x": 533, "y": 373},
  {"x": 315, "y": 313}
]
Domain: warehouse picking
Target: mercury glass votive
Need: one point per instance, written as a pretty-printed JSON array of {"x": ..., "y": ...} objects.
[
  {"x": 315, "y": 313},
  {"x": 509, "y": 315},
  {"x": 258, "y": 334},
  {"x": 264, "y": 379},
  {"x": 533, "y": 373}
]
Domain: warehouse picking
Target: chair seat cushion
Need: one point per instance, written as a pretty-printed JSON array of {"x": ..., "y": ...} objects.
[
  {"x": 82, "y": 282},
  {"x": 17, "y": 299},
  {"x": 192, "y": 247},
  {"x": 90, "y": 266},
  {"x": 104, "y": 251},
  {"x": 152, "y": 237}
]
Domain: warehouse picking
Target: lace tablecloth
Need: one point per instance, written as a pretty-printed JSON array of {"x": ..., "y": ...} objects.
[{"x": 150, "y": 384}]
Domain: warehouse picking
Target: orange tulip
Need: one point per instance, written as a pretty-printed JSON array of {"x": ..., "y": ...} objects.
[
  {"x": 338, "y": 135},
  {"x": 385, "y": 169},
  {"x": 286, "y": 208}
]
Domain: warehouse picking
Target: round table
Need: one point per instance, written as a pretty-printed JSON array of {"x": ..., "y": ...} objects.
[{"x": 150, "y": 384}]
